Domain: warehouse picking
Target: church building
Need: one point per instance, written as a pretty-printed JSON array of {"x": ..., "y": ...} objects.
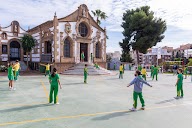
[{"x": 60, "y": 41}]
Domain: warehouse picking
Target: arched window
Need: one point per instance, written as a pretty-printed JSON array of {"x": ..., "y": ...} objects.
[
  {"x": 4, "y": 35},
  {"x": 97, "y": 51},
  {"x": 67, "y": 48},
  {"x": 83, "y": 30}
]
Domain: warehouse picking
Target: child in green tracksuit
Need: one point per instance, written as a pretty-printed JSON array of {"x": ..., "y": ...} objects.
[
  {"x": 121, "y": 71},
  {"x": 139, "y": 67},
  {"x": 152, "y": 69},
  {"x": 179, "y": 84},
  {"x": 54, "y": 81},
  {"x": 10, "y": 76},
  {"x": 185, "y": 72},
  {"x": 85, "y": 74},
  {"x": 155, "y": 72},
  {"x": 138, "y": 86}
]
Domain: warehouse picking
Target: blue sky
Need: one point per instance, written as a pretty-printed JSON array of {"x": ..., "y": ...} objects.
[{"x": 177, "y": 13}]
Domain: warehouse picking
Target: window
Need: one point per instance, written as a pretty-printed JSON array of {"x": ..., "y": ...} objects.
[
  {"x": 67, "y": 48},
  {"x": 4, "y": 49},
  {"x": 48, "y": 47},
  {"x": 4, "y": 36},
  {"x": 83, "y": 30},
  {"x": 97, "y": 51}
]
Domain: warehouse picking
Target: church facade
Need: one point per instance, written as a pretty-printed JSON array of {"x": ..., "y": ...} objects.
[{"x": 60, "y": 41}]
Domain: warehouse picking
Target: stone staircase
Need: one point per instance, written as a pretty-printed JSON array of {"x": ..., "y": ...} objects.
[{"x": 78, "y": 69}]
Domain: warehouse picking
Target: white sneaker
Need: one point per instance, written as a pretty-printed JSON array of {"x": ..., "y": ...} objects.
[
  {"x": 57, "y": 103},
  {"x": 14, "y": 89},
  {"x": 133, "y": 109}
]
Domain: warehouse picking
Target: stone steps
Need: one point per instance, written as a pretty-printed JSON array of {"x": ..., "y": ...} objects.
[{"x": 78, "y": 69}]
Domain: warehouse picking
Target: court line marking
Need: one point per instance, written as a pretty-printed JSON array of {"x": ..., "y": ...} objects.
[
  {"x": 45, "y": 89},
  {"x": 83, "y": 115}
]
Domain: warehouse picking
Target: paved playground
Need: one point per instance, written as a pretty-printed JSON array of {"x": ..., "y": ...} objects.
[{"x": 102, "y": 103}]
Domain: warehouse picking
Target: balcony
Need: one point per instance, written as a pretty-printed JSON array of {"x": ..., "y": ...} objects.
[{"x": 47, "y": 58}]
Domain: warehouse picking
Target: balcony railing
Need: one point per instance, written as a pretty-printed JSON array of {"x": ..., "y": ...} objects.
[{"x": 46, "y": 58}]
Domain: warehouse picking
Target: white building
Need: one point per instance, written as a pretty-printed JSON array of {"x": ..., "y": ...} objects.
[
  {"x": 156, "y": 56},
  {"x": 61, "y": 40}
]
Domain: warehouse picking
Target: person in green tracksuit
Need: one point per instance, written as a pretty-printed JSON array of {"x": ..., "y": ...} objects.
[
  {"x": 123, "y": 68},
  {"x": 152, "y": 69},
  {"x": 54, "y": 82},
  {"x": 85, "y": 74},
  {"x": 82, "y": 57},
  {"x": 179, "y": 84},
  {"x": 139, "y": 67},
  {"x": 10, "y": 76},
  {"x": 155, "y": 72},
  {"x": 138, "y": 87},
  {"x": 185, "y": 71},
  {"x": 91, "y": 57},
  {"x": 114, "y": 66}
]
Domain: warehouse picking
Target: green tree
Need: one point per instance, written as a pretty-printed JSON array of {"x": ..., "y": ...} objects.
[
  {"x": 28, "y": 43},
  {"x": 142, "y": 30},
  {"x": 125, "y": 56},
  {"x": 99, "y": 15}
]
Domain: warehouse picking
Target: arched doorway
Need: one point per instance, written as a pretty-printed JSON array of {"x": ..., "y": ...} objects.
[{"x": 15, "y": 51}]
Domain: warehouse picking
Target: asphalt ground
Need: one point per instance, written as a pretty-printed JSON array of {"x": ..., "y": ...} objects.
[{"x": 102, "y": 103}]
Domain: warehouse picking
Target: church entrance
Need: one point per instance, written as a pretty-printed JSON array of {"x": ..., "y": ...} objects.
[
  {"x": 84, "y": 48},
  {"x": 15, "y": 51}
]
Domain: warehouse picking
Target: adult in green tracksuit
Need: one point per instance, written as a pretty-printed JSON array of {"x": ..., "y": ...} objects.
[
  {"x": 85, "y": 74},
  {"x": 152, "y": 69},
  {"x": 82, "y": 57},
  {"x": 54, "y": 82},
  {"x": 139, "y": 67},
  {"x": 179, "y": 84},
  {"x": 91, "y": 57},
  {"x": 155, "y": 72}
]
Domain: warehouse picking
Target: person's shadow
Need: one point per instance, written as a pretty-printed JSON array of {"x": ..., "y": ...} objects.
[
  {"x": 25, "y": 108},
  {"x": 112, "y": 115}
]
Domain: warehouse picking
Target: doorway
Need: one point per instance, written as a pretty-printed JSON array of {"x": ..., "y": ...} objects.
[
  {"x": 84, "y": 48},
  {"x": 14, "y": 51}
]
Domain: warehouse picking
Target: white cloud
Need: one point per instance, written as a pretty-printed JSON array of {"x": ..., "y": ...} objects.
[{"x": 34, "y": 12}]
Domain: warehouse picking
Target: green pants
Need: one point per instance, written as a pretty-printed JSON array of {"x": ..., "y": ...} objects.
[
  {"x": 15, "y": 73},
  {"x": 120, "y": 74},
  {"x": 155, "y": 76},
  {"x": 180, "y": 90},
  {"x": 47, "y": 72},
  {"x": 151, "y": 73},
  {"x": 135, "y": 96},
  {"x": 85, "y": 77},
  {"x": 144, "y": 77},
  {"x": 53, "y": 89}
]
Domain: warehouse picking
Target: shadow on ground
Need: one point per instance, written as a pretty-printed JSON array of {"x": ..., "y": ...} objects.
[
  {"x": 25, "y": 108},
  {"x": 165, "y": 101},
  {"x": 112, "y": 115}
]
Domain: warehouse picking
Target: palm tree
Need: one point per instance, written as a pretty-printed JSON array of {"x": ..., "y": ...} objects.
[
  {"x": 28, "y": 43},
  {"x": 100, "y": 15}
]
